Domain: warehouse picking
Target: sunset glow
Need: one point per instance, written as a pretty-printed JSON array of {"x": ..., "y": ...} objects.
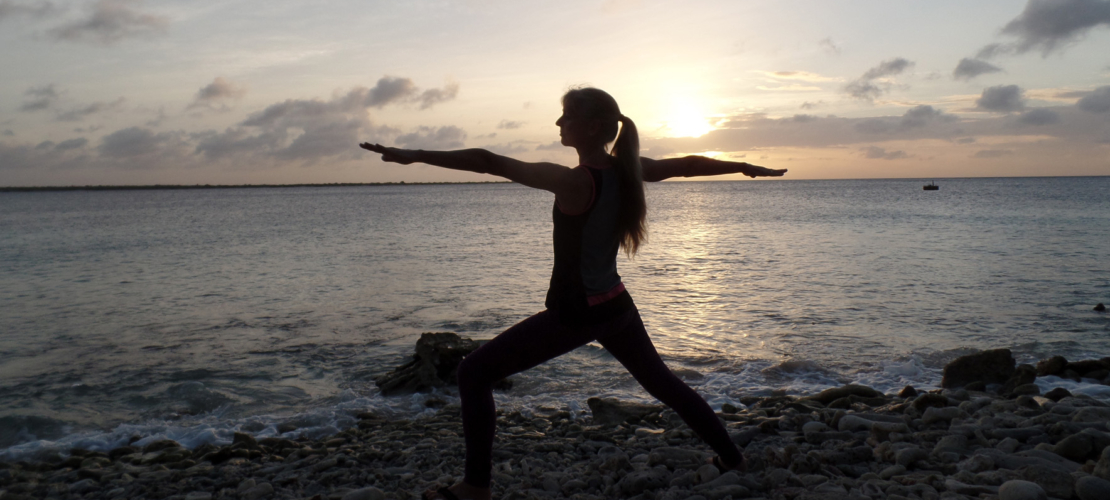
[{"x": 139, "y": 92}]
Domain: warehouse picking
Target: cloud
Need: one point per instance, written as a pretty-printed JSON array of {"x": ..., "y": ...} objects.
[
  {"x": 864, "y": 88},
  {"x": 77, "y": 143},
  {"x": 965, "y": 140},
  {"x": 12, "y": 9},
  {"x": 446, "y": 137},
  {"x": 992, "y": 153},
  {"x": 829, "y": 46},
  {"x": 388, "y": 90},
  {"x": 1049, "y": 25},
  {"x": 804, "y": 76},
  {"x": 812, "y": 105},
  {"x": 919, "y": 116},
  {"x": 509, "y": 125},
  {"x": 219, "y": 91},
  {"x": 1001, "y": 98},
  {"x": 1097, "y": 101},
  {"x": 132, "y": 142},
  {"x": 311, "y": 130},
  {"x": 109, "y": 21},
  {"x": 78, "y": 114},
  {"x": 553, "y": 146},
  {"x": 39, "y": 98},
  {"x": 391, "y": 90},
  {"x": 877, "y": 153},
  {"x": 1038, "y": 117},
  {"x": 971, "y": 68}
]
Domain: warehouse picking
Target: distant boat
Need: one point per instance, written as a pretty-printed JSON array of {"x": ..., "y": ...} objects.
[{"x": 931, "y": 186}]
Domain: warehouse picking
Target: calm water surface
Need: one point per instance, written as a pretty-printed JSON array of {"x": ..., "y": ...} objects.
[{"x": 164, "y": 312}]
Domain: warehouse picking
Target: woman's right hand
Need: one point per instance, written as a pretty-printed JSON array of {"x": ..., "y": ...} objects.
[{"x": 393, "y": 155}]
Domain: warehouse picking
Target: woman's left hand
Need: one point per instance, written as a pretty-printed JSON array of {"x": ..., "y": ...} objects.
[
  {"x": 754, "y": 171},
  {"x": 393, "y": 155}
]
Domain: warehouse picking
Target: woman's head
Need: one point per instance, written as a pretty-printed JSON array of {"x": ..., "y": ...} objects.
[{"x": 591, "y": 116}]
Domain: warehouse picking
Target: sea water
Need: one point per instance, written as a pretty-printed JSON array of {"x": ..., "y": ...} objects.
[{"x": 191, "y": 314}]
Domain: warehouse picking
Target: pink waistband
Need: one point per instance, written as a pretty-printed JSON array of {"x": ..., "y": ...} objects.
[{"x": 594, "y": 300}]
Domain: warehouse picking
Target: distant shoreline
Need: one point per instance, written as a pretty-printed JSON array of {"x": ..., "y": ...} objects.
[
  {"x": 228, "y": 186},
  {"x": 15, "y": 189}
]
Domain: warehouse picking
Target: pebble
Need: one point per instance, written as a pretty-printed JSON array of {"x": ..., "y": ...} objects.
[
  {"x": 863, "y": 446},
  {"x": 1021, "y": 490},
  {"x": 1092, "y": 488}
]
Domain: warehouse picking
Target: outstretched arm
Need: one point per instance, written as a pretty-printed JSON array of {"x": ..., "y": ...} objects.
[
  {"x": 698, "y": 166},
  {"x": 572, "y": 188}
]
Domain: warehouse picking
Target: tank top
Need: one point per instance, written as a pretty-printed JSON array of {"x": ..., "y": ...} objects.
[{"x": 585, "y": 287}]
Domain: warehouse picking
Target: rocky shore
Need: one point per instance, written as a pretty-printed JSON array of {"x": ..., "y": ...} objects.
[{"x": 988, "y": 434}]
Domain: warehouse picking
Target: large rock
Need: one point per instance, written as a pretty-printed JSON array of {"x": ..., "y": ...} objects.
[
  {"x": 610, "y": 411},
  {"x": 829, "y": 395},
  {"x": 993, "y": 367},
  {"x": 435, "y": 364},
  {"x": 1051, "y": 366}
]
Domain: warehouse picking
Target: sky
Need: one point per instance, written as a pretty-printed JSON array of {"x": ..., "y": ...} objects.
[{"x": 125, "y": 92}]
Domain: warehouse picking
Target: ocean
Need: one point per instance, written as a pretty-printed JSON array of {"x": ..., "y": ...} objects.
[{"x": 191, "y": 314}]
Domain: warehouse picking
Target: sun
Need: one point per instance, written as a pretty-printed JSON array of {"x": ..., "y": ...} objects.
[{"x": 686, "y": 120}]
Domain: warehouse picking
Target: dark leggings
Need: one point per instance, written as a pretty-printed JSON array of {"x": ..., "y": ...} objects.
[{"x": 542, "y": 337}]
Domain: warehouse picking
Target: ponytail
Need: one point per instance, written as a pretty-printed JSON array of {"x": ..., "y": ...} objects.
[{"x": 632, "y": 216}]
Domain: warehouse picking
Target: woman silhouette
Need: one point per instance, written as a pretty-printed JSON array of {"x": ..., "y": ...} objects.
[{"x": 599, "y": 208}]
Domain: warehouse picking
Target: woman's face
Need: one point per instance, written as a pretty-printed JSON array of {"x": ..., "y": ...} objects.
[{"x": 573, "y": 131}]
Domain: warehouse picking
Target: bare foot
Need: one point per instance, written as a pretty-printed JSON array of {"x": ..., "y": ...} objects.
[{"x": 461, "y": 490}]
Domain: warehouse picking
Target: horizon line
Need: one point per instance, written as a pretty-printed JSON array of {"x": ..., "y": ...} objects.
[{"x": 124, "y": 187}]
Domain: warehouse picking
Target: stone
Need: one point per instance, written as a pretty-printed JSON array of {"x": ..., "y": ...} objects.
[
  {"x": 952, "y": 443},
  {"x": 1057, "y": 394},
  {"x": 635, "y": 483},
  {"x": 829, "y": 395},
  {"x": 706, "y": 473},
  {"x": 993, "y": 366},
  {"x": 1102, "y": 468},
  {"x": 611, "y": 411},
  {"x": 893, "y": 470},
  {"x": 907, "y": 392},
  {"x": 1057, "y": 484},
  {"x": 1075, "y": 447},
  {"x": 368, "y": 493},
  {"x": 976, "y": 463},
  {"x": 1021, "y": 490},
  {"x": 676, "y": 457},
  {"x": 199, "y": 495},
  {"x": 852, "y": 423},
  {"x": 1092, "y": 488},
  {"x": 435, "y": 364},
  {"x": 731, "y": 491},
  {"x": 1051, "y": 366},
  {"x": 1023, "y": 375},
  {"x": 1026, "y": 390},
  {"x": 1091, "y": 414},
  {"x": 934, "y": 414},
  {"x": 260, "y": 491},
  {"x": 1085, "y": 367},
  {"x": 909, "y": 456},
  {"x": 927, "y": 400}
]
